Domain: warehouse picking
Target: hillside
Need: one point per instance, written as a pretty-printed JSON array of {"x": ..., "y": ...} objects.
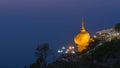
[{"x": 99, "y": 54}]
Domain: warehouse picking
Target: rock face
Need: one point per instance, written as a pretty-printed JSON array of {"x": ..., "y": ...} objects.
[{"x": 82, "y": 40}]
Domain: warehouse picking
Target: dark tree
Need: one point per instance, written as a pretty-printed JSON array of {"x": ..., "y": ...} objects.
[
  {"x": 117, "y": 65},
  {"x": 37, "y": 63},
  {"x": 42, "y": 52},
  {"x": 25, "y": 66}
]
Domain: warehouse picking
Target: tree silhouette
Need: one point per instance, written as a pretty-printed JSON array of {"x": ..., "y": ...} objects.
[
  {"x": 25, "y": 66},
  {"x": 42, "y": 51},
  {"x": 37, "y": 63},
  {"x": 117, "y": 65}
]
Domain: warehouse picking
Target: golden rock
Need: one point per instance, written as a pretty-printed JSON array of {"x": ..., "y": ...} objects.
[{"x": 82, "y": 38}]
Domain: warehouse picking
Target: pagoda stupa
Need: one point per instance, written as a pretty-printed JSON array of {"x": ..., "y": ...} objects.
[{"x": 82, "y": 39}]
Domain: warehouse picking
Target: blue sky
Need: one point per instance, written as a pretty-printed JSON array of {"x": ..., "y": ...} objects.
[{"x": 26, "y": 23}]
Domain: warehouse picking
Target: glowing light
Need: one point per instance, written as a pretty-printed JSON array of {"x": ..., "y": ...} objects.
[
  {"x": 82, "y": 39},
  {"x": 70, "y": 47},
  {"x": 118, "y": 33},
  {"x": 63, "y": 47},
  {"x": 66, "y": 51},
  {"x": 92, "y": 40},
  {"x": 73, "y": 47},
  {"x": 94, "y": 36},
  {"x": 73, "y": 52},
  {"x": 59, "y": 51}
]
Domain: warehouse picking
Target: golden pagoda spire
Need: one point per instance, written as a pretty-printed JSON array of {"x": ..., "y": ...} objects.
[
  {"x": 82, "y": 38},
  {"x": 82, "y": 28}
]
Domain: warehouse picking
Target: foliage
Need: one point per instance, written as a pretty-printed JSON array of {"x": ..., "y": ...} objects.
[
  {"x": 42, "y": 52},
  {"x": 106, "y": 50},
  {"x": 95, "y": 53}
]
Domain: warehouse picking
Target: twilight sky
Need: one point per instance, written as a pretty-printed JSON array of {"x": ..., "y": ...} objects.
[{"x": 26, "y": 23}]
